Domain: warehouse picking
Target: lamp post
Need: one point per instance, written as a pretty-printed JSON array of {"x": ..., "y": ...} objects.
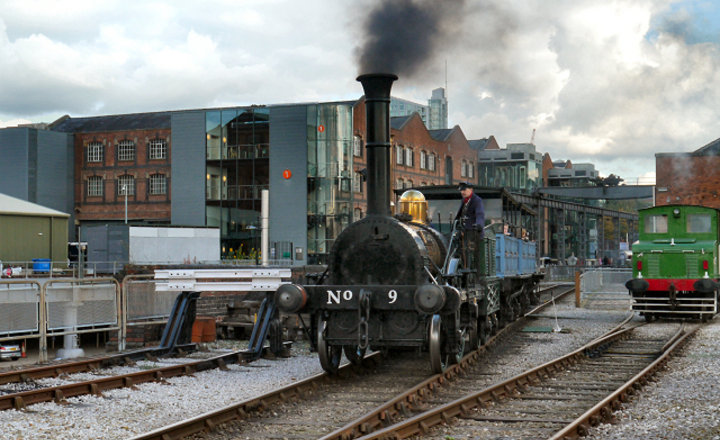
[{"x": 124, "y": 188}]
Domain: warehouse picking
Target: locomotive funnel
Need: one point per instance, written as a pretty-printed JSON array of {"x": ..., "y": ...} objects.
[{"x": 377, "y": 120}]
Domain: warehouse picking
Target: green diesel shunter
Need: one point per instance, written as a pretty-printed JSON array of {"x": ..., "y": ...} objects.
[{"x": 675, "y": 264}]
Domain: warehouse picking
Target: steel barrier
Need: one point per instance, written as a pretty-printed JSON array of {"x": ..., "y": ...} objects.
[{"x": 598, "y": 285}]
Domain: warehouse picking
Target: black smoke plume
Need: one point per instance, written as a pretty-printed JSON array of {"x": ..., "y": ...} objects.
[{"x": 401, "y": 35}]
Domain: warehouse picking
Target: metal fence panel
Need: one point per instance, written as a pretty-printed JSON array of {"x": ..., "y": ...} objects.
[
  {"x": 19, "y": 310},
  {"x": 144, "y": 303},
  {"x": 70, "y": 305},
  {"x": 561, "y": 273},
  {"x": 605, "y": 285}
]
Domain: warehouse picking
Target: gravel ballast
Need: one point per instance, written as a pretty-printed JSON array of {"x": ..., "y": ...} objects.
[
  {"x": 682, "y": 402},
  {"x": 680, "y": 406}
]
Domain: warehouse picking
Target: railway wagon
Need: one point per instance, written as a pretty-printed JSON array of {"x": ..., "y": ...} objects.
[
  {"x": 675, "y": 263},
  {"x": 397, "y": 282}
]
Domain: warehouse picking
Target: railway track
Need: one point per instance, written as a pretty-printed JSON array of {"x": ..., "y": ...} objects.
[
  {"x": 379, "y": 395},
  {"x": 90, "y": 364},
  {"x": 38, "y": 393},
  {"x": 560, "y": 399}
]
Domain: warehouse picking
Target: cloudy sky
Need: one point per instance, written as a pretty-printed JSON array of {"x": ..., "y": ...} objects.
[{"x": 609, "y": 82}]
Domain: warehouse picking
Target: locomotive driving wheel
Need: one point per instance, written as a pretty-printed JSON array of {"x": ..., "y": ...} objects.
[
  {"x": 329, "y": 354},
  {"x": 439, "y": 358}
]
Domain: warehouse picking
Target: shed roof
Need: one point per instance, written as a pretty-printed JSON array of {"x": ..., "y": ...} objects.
[{"x": 12, "y": 205}]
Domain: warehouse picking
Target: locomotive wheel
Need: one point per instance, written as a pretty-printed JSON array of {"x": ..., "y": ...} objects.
[
  {"x": 438, "y": 359},
  {"x": 649, "y": 317},
  {"x": 353, "y": 354},
  {"x": 329, "y": 354}
]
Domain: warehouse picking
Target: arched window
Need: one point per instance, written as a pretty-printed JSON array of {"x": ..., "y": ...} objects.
[
  {"x": 409, "y": 157},
  {"x": 126, "y": 151},
  {"x": 157, "y": 149},
  {"x": 126, "y": 185},
  {"x": 95, "y": 186},
  {"x": 357, "y": 146},
  {"x": 158, "y": 184},
  {"x": 399, "y": 183},
  {"x": 95, "y": 152}
]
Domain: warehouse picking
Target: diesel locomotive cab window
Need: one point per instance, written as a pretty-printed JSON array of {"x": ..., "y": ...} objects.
[
  {"x": 656, "y": 224},
  {"x": 698, "y": 223}
]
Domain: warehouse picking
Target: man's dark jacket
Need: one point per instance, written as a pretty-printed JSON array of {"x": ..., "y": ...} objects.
[{"x": 474, "y": 213}]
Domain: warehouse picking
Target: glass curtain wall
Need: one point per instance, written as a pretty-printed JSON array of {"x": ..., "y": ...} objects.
[
  {"x": 330, "y": 174},
  {"x": 237, "y": 169}
]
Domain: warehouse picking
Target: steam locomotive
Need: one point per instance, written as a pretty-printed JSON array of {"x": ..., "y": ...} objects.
[
  {"x": 675, "y": 263},
  {"x": 397, "y": 282}
]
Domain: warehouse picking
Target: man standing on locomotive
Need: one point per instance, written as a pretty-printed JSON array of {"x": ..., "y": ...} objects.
[
  {"x": 471, "y": 216},
  {"x": 471, "y": 212}
]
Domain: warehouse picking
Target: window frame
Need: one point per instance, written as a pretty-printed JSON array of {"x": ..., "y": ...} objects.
[
  {"x": 96, "y": 183},
  {"x": 95, "y": 152},
  {"x": 126, "y": 151},
  {"x": 155, "y": 181},
  {"x": 155, "y": 145},
  {"x": 126, "y": 179}
]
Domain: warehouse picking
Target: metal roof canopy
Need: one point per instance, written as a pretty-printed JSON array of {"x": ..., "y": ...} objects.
[
  {"x": 450, "y": 192},
  {"x": 15, "y": 206}
]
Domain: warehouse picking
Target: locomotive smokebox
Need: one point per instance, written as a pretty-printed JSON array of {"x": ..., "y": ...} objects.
[{"x": 377, "y": 119}]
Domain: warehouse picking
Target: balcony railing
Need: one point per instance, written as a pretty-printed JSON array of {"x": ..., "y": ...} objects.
[
  {"x": 236, "y": 192},
  {"x": 244, "y": 151}
]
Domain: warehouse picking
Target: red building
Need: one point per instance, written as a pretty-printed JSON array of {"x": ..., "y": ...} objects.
[
  {"x": 689, "y": 178},
  {"x": 418, "y": 156},
  {"x": 117, "y": 157}
]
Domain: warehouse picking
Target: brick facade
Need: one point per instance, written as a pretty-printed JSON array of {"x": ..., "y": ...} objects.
[
  {"x": 412, "y": 135},
  {"x": 687, "y": 178},
  {"x": 143, "y": 206}
]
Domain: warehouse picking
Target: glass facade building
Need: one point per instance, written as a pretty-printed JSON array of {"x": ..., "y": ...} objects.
[
  {"x": 330, "y": 176},
  {"x": 237, "y": 157},
  {"x": 516, "y": 168}
]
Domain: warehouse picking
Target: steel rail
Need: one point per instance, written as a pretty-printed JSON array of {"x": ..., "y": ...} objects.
[
  {"x": 85, "y": 365},
  {"x": 421, "y": 423},
  {"x": 400, "y": 404},
  {"x": 380, "y": 416},
  {"x": 211, "y": 419},
  {"x": 602, "y": 411},
  {"x": 59, "y": 393}
]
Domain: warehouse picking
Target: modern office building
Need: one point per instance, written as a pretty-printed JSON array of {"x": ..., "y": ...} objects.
[
  {"x": 437, "y": 110},
  {"x": 518, "y": 167}
]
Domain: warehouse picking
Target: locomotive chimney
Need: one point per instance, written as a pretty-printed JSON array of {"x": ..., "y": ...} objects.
[{"x": 377, "y": 120}]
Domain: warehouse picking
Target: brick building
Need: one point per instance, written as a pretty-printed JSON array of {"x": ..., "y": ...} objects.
[
  {"x": 418, "y": 156},
  {"x": 119, "y": 156},
  {"x": 689, "y": 178}
]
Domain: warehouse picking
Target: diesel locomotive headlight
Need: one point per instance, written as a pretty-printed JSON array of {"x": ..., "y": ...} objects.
[
  {"x": 429, "y": 298},
  {"x": 290, "y": 298}
]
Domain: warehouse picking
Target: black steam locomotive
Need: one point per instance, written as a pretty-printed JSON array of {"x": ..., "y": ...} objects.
[{"x": 397, "y": 282}]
